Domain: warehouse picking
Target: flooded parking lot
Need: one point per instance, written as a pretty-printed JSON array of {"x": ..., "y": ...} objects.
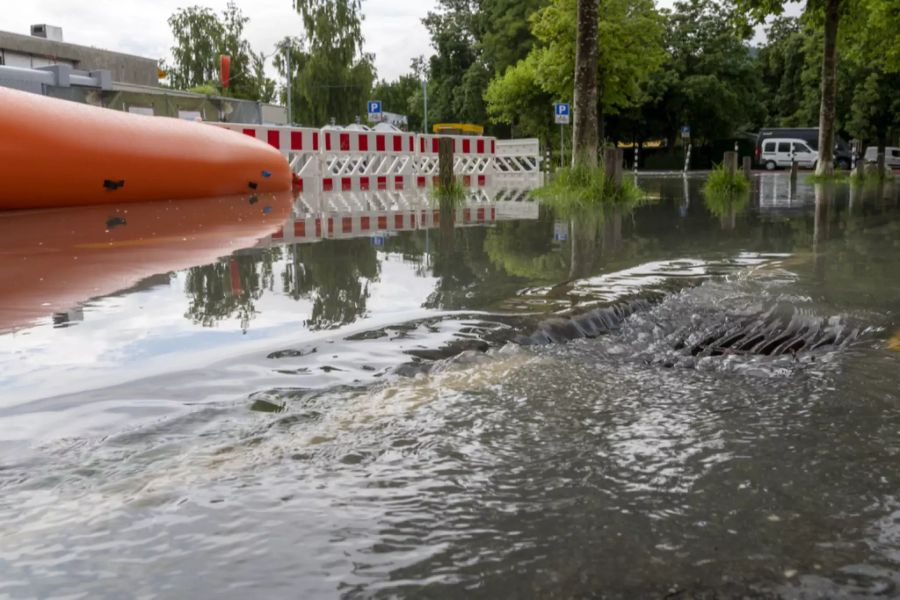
[{"x": 323, "y": 397}]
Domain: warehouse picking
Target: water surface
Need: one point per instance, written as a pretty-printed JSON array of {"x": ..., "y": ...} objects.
[{"x": 329, "y": 405}]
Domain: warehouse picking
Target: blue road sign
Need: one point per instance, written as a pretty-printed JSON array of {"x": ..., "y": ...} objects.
[
  {"x": 562, "y": 113},
  {"x": 374, "y": 107}
]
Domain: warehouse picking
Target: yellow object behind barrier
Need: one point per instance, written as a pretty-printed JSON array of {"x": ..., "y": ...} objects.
[{"x": 457, "y": 129}]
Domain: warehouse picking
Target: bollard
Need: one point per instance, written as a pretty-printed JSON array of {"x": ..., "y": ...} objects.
[
  {"x": 636, "y": 158},
  {"x": 729, "y": 161},
  {"x": 795, "y": 168},
  {"x": 748, "y": 164},
  {"x": 445, "y": 163},
  {"x": 612, "y": 166},
  {"x": 687, "y": 159}
]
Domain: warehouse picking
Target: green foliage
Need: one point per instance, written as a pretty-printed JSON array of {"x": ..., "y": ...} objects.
[
  {"x": 725, "y": 192},
  {"x": 201, "y": 37},
  {"x": 473, "y": 41},
  {"x": 577, "y": 188},
  {"x": 449, "y": 196},
  {"x": 629, "y": 50},
  {"x": 402, "y": 96},
  {"x": 331, "y": 75}
]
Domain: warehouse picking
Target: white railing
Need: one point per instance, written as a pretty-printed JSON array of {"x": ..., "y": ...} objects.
[{"x": 344, "y": 160}]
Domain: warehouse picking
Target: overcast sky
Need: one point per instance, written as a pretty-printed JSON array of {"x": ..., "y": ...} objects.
[{"x": 393, "y": 28}]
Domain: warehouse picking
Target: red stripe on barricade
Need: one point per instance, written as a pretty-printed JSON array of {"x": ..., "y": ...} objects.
[
  {"x": 435, "y": 145},
  {"x": 274, "y": 138},
  {"x": 382, "y": 183},
  {"x": 467, "y": 215},
  {"x": 296, "y": 140},
  {"x": 479, "y": 145},
  {"x": 345, "y": 142},
  {"x": 327, "y": 184},
  {"x": 327, "y": 142},
  {"x": 398, "y": 221},
  {"x": 398, "y": 143},
  {"x": 278, "y": 234},
  {"x": 493, "y": 214},
  {"x": 382, "y": 222},
  {"x": 379, "y": 143},
  {"x": 363, "y": 142},
  {"x": 482, "y": 180},
  {"x": 398, "y": 182},
  {"x": 364, "y": 183},
  {"x": 467, "y": 146},
  {"x": 346, "y": 184},
  {"x": 315, "y": 141},
  {"x": 420, "y": 181},
  {"x": 493, "y": 146},
  {"x": 364, "y": 223},
  {"x": 330, "y": 225},
  {"x": 467, "y": 180},
  {"x": 422, "y": 145},
  {"x": 412, "y": 144},
  {"x": 250, "y": 132},
  {"x": 300, "y": 228},
  {"x": 347, "y": 224},
  {"x": 479, "y": 214}
]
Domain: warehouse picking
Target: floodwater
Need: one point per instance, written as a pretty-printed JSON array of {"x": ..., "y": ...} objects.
[{"x": 232, "y": 400}]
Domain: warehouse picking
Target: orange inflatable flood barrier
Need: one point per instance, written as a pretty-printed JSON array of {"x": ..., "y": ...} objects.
[
  {"x": 61, "y": 153},
  {"x": 53, "y": 260}
]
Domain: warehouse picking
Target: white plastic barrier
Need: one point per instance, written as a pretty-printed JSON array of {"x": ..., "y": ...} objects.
[{"x": 345, "y": 160}]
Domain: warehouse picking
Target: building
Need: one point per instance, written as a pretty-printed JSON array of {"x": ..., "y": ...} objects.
[
  {"x": 43, "y": 64},
  {"x": 45, "y": 47}
]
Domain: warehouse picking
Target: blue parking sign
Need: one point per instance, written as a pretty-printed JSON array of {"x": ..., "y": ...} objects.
[
  {"x": 374, "y": 107},
  {"x": 562, "y": 112}
]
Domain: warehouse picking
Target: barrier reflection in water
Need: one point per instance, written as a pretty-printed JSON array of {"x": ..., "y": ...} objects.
[
  {"x": 55, "y": 259},
  {"x": 379, "y": 213}
]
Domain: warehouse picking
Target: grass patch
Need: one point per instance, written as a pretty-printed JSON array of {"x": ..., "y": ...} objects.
[
  {"x": 835, "y": 177},
  {"x": 724, "y": 184},
  {"x": 725, "y": 193},
  {"x": 577, "y": 188},
  {"x": 450, "y": 195},
  {"x": 871, "y": 176}
]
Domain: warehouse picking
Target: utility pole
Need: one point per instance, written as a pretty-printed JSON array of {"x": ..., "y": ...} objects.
[
  {"x": 290, "y": 84},
  {"x": 425, "y": 99}
]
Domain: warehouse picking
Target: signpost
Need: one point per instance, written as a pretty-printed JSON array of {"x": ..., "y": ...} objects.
[
  {"x": 375, "y": 111},
  {"x": 562, "y": 114}
]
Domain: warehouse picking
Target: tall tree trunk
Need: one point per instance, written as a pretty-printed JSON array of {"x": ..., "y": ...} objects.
[
  {"x": 584, "y": 135},
  {"x": 829, "y": 90}
]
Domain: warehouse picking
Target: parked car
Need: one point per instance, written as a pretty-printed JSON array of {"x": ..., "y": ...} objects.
[
  {"x": 779, "y": 152},
  {"x": 891, "y": 156},
  {"x": 843, "y": 153}
]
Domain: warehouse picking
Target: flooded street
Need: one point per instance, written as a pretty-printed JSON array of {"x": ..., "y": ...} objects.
[{"x": 328, "y": 397}]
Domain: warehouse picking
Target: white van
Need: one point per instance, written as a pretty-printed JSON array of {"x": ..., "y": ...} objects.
[
  {"x": 891, "y": 156},
  {"x": 778, "y": 152}
]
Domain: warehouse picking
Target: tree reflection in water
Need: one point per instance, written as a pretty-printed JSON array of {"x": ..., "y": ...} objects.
[
  {"x": 336, "y": 275},
  {"x": 229, "y": 287}
]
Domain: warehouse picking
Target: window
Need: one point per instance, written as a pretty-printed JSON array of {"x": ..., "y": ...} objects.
[
  {"x": 801, "y": 148},
  {"x": 784, "y": 147},
  {"x": 769, "y": 147}
]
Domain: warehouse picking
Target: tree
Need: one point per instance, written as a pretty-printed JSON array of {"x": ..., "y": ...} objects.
[
  {"x": 629, "y": 50},
  {"x": 584, "y": 133},
  {"x": 830, "y": 11},
  {"x": 334, "y": 78},
  {"x": 474, "y": 41},
  {"x": 201, "y": 37},
  {"x": 871, "y": 39}
]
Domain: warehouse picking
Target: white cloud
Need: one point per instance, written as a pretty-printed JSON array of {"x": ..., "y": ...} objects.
[{"x": 393, "y": 28}]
